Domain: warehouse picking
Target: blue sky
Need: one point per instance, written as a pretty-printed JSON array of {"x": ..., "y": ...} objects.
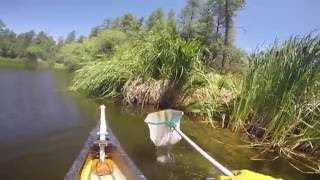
[{"x": 258, "y": 24}]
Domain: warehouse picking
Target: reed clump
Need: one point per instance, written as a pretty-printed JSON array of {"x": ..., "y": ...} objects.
[
  {"x": 143, "y": 71},
  {"x": 150, "y": 92},
  {"x": 101, "y": 79},
  {"x": 276, "y": 101},
  {"x": 211, "y": 95},
  {"x": 280, "y": 99}
]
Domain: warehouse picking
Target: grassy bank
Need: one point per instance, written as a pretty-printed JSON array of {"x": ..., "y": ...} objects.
[
  {"x": 11, "y": 63},
  {"x": 22, "y": 63},
  {"x": 143, "y": 71},
  {"x": 280, "y": 100}
]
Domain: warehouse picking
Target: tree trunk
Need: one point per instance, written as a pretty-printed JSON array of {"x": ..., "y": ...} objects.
[
  {"x": 190, "y": 24},
  {"x": 218, "y": 28},
  {"x": 226, "y": 34},
  {"x": 218, "y": 22}
]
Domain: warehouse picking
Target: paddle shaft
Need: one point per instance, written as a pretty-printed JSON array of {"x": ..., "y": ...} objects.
[{"x": 215, "y": 163}]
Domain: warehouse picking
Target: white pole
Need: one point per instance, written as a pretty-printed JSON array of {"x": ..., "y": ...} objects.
[
  {"x": 215, "y": 163},
  {"x": 102, "y": 132}
]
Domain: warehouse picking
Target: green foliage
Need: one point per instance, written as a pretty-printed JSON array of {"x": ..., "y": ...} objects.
[
  {"x": 107, "y": 23},
  {"x": 189, "y": 19},
  {"x": 102, "y": 79},
  {"x": 46, "y": 45},
  {"x": 11, "y": 63},
  {"x": 167, "y": 57},
  {"x": 100, "y": 47},
  {"x": 204, "y": 21},
  {"x": 94, "y": 32},
  {"x": 34, "y": 52},
  {"x": 211, "y": 95},
  {"x": 29, "y": 45},
  {"x": 24, "y": 40},
  {"x": 128, "y": 22},
  {"x": 235, "y": 62},
  {"x": 172, "y": 23},
  {"x": 156, "y": 20},
  {"x": 153, "y": 55},
  {"x": 108, "y": 40},
  {"x": 207, "y": 31},
  {"x": 71, "y": 37},
  {"x": 72, "y": 53},
  {"x": 7, "y": 43},
  {"x": 281, "y": 94}
]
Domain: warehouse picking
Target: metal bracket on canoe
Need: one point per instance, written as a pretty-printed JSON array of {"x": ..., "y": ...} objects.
[
  {"x": 104, "y": 133},
  {"x": 102, "y": 142}
]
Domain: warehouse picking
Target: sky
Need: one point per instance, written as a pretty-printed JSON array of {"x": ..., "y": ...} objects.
[{"x": 258, "y": 24}]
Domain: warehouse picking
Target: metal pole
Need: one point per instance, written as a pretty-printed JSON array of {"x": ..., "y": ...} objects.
[{"x": 215, "y": 163}]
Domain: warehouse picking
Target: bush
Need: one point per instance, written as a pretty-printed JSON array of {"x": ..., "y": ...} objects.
[
  {"x": 168, "y": 57},
  {"x": 151, "y": 57},
  {"x": 93, "y": 49},
  {"x": 101, "y": 79},
  {"x": 211, "y": 95}
]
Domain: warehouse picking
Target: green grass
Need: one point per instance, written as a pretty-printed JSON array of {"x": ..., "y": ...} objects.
[
  {"x": 102, "y": 79},
  {"x": 11, "y": 63},
  {"x": 22, "y": 63},
  {"x": 211, "y": 95},
  {"x": 280, "y": 94},
  {"x": 150, "y": 57}
]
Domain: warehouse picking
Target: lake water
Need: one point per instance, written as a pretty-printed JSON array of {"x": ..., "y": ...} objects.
[{"x": 43, "y": 127}]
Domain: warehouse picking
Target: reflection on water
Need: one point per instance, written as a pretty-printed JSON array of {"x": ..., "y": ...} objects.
[
  {"x": 43, "y": 128},
  {"x": 163, "y": 154}
]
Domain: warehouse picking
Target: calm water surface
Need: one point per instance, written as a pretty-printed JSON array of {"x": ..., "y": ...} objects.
[{"x": 43, "y": 127}]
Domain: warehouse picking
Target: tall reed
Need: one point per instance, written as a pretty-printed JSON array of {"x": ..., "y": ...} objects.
[
  {"x": 280, "y": 95},
  {"x": 149, "y": 57},
  {"x": 211, "y": 95}
]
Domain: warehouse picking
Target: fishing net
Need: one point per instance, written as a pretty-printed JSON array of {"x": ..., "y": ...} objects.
[{"x": 162, "y": 125}]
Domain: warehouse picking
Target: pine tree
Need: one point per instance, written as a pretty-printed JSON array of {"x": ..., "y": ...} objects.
[
  {"x": 94, "y": 31},
  {"x": 71, "y": 37},
  {"x": 107, "y": 23},
  {"x": 155, "y": 20},
  {"x": 207, "y": 22},
  {"x": 190, "y": 19},
  {"x": 172, "y": 23},
  {"x": 129, "y": 23},
  {"x": 230, "y": 7}
]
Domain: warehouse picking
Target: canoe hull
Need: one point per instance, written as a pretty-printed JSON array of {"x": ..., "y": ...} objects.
[{"x": 124, "y": 168}]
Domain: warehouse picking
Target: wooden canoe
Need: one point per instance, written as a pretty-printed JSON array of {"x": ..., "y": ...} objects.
[{"x": 123, "y": 167}]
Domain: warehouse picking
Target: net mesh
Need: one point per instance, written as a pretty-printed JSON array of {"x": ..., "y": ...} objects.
[{"x": 161, "y": 126}]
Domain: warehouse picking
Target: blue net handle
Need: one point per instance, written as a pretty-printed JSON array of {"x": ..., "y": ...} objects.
[{"x": 172, "y": 123}]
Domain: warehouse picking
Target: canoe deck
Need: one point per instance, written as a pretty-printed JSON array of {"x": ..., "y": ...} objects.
[
  {"x": 87, "y": 174},
  {"x": 124, "y": 168}
]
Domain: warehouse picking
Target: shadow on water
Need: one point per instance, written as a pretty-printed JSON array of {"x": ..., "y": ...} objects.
[{"x": 43, "y": 128}]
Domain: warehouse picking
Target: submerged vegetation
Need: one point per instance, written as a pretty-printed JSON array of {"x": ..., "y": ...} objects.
[{"x": 193, "y": 64}]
